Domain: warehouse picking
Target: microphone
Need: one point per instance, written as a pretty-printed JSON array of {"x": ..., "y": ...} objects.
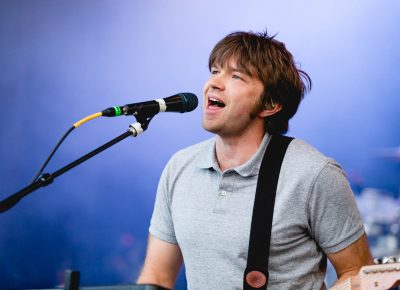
[{"x": 179, "y": 103}]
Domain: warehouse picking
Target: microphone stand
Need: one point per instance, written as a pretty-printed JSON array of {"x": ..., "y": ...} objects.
[{"x": 47, "y": 178}]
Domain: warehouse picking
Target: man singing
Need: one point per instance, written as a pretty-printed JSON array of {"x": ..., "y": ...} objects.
[{"x": 205, "y": 199}]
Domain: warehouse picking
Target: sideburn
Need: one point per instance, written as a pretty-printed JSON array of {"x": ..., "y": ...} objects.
[{"x": 259, "y": 106}]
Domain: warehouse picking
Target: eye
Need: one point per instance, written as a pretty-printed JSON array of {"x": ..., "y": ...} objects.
[
  {"x": 236, "y": 76},
  {"x": 214, "y": 71}
]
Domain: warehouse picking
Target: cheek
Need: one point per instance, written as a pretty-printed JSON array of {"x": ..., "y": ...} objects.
[
  {"x": 206, "y": 86},
  {"x": 249, "y": 106}
]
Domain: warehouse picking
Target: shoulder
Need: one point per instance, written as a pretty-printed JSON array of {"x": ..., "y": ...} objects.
[
  {"x": 302, "y": 154},
  {"x": 185, "y": 164},
  {"x": 195, "y": 149},
  {"x": 196, "y": 154},
  {"x": 304, "y": 160},
  {"x": 301, "y": 150}
]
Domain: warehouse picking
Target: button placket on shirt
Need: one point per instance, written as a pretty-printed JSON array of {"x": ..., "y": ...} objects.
[{"x": 224, "y": 193}]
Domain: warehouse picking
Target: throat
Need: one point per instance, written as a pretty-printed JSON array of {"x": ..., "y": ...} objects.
[{"x": 230, "y": 155}]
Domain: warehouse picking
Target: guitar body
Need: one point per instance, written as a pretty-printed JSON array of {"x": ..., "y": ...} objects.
[{"x": 375, "y": 277}]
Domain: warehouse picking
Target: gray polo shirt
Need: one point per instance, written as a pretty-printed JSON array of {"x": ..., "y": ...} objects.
[{"x": 208, "y": 214}]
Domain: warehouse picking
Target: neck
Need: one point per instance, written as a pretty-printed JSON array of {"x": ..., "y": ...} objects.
[{"x": 235, "y": 151}]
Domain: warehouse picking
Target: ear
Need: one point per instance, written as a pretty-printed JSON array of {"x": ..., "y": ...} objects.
[{"x": 270, "y": 109}]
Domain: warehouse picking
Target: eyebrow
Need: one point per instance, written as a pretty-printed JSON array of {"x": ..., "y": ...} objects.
[
  {"x": 232, "y": 69},
  {"x": 242, "y": 71}
]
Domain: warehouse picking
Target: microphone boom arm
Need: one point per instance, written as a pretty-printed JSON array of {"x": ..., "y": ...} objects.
[{"x": 47, "y": 178}]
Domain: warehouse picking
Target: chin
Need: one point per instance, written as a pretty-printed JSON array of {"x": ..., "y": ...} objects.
[{"x": 209, "y": 128}]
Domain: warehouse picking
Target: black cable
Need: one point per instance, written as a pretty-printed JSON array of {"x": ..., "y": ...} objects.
[
  {"x": 76, "y": 125},
  {"x": 51, "y": 154}
]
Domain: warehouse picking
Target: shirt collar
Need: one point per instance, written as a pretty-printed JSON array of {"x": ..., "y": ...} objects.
[{"x": 207, "y": 159}]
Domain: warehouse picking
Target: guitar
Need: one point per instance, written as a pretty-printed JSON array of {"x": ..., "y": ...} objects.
[{"x": 374, "y": 277}]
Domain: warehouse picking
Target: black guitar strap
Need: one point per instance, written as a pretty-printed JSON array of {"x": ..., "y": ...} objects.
[{"x": 256, "y": 273}]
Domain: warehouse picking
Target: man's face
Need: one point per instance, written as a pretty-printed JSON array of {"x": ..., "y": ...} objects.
[{"x": 230, "y": 100}]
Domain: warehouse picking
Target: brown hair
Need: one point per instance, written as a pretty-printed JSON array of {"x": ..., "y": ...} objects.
[{"x": 261, "y": 56}]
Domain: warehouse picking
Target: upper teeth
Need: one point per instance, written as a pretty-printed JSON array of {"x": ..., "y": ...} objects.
[{"x": 214, "y": 100}]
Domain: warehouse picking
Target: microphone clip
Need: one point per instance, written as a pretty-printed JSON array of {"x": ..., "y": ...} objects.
[{"x": 144, "y": 118}]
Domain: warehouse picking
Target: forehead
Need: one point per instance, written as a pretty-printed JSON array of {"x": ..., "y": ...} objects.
[{"x": 235, "y": 63}]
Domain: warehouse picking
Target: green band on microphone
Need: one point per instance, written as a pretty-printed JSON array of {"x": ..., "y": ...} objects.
[{"x": 117, "y": 111}]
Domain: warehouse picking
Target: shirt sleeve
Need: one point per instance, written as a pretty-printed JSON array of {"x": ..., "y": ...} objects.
[
  {"x": 161, "y": 224},
  {"x": 333, "y": 214}
]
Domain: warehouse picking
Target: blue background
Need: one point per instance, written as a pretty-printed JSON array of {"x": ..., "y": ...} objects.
[{"x": 63, "y": 60}]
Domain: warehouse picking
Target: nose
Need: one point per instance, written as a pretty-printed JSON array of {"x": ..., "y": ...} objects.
[{"x": 216, "y": 81}]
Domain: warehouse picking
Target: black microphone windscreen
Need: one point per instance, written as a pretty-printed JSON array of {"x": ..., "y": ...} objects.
[
  {"x": 182, "y": 102},
  {"x": 190, "y": 102}
]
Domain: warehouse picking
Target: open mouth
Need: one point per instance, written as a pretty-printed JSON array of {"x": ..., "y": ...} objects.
[{"x": 213, "y": 102}]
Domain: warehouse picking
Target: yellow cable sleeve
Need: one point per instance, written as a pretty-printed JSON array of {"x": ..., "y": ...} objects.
[{"x": 88, "y": 118}]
